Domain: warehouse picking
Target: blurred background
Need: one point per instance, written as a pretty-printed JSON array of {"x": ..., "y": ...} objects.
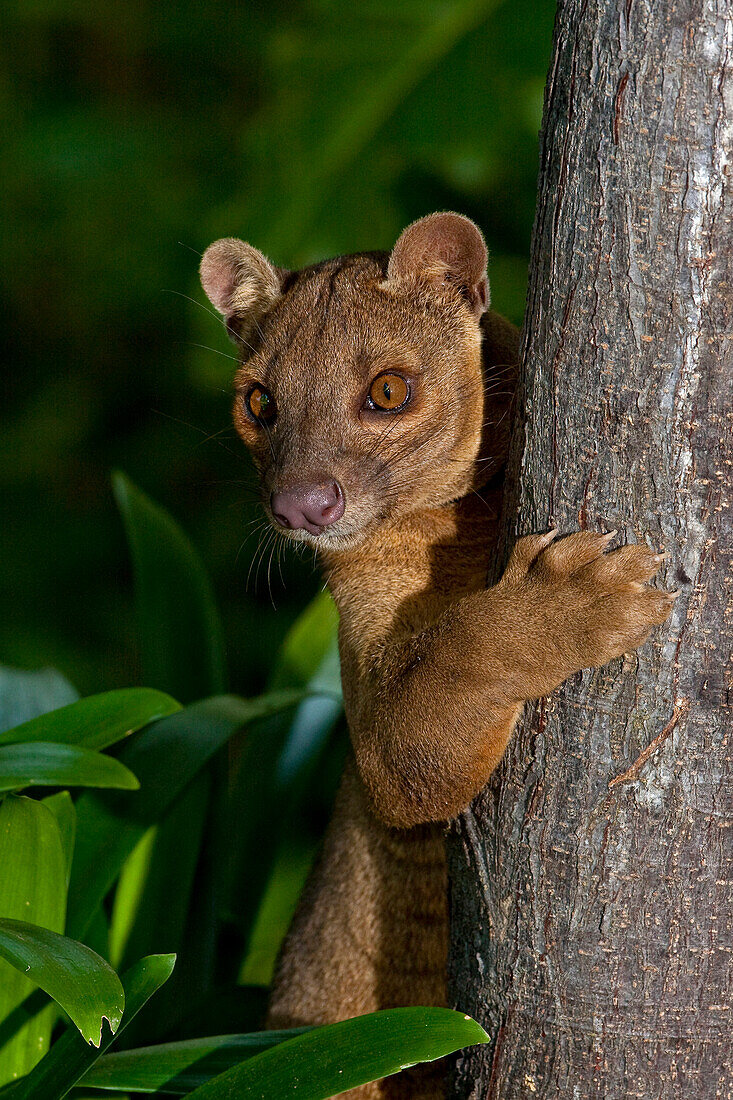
[{"x": 136, "y": 133}]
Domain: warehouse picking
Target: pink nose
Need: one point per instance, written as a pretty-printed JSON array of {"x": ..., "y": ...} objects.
[{"x": 309, "y": 507}]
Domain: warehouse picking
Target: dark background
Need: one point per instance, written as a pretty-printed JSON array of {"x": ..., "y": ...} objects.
[{"x": 136, "y": 133}]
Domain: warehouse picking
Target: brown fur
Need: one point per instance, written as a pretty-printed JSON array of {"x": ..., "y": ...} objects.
[{"x": 435, "y": 666}]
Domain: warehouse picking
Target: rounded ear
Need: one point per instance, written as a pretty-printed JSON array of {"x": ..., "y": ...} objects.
[
  {"x": 444, "y": 248},
  {"x": 240, "y": 283}
]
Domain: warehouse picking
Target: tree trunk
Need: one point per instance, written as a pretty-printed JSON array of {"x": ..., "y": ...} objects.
[{"x": 591, "y": 882}]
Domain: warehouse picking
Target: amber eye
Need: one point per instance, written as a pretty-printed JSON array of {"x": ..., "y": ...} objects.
[
  {"x": 261, "y": 404},
  {"x": 388, "y": 392}
]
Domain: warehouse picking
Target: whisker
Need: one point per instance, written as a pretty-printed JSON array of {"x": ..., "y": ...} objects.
[
  {"x": 216, "y": 351},
  {"x": 180, "y": 294},
  {"x": 201, "y": 431},
  {"x": 261, "y": 551},
  {"x": 191, "y": 248}
]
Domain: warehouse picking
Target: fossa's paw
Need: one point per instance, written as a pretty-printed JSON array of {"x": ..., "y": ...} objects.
[{"x": 592, "y": 605}]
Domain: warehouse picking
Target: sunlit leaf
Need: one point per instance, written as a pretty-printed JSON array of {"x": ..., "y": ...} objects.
[
  {"x": 165, "y": 759},
  {"x": 276, "y": 767},
  {"x": 329, "y": 1060},
  {"x": 309, "y": 658},
  {"x": 177, "y": 1068},
  {"x": 289, "y": 871},
  {"x": 48, "y": 764},
  {"x": 71, "y": 1057},
  {"x": 33, "y": 867},
  {"x": 97, "y": 721},
  {"x": 309, "y": 640},
  {"x": 176, "y": 907},
  {"x": 153, "y": 900},
  {"x": 62, "y": 807},
  {"x": 85, "y": 986}
]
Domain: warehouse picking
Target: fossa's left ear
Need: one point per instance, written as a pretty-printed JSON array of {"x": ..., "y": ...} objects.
[{"x": 444, "y": 249}]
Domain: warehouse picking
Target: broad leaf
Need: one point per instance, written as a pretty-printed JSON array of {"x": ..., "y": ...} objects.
[
  {"x": 33, "y": 888},
  {"x": 85, "y": 986},
  {"x": 177, "y": 1068},
  {"x": 48, "y": 764},
  {"x": 329, "y": 1060},
  {"x": 165, "y": 759},
  {"x": 180, "y": 633},
  {"x": 62, "y": 807},
  {"x": 70, "y": 1057},
  {"x": 97, "y": 721}
]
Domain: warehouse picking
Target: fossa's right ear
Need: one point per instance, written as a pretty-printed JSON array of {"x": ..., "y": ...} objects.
[{"x": 240, "y": 283}]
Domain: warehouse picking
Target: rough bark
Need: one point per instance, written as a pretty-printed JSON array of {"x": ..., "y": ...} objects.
[{"x": 592, "y": 899}]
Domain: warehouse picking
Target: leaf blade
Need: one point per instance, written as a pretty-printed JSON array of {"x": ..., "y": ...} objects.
[
  {"x": 70, "y": 1057},
  {"x": 97, "y": 721},
  {"x": 49, "y": 764},
  {"x": 32, "y": 887},
  {"x": 78, "y": 979},
  {"x": 178, "y": 1068},
  {"x": 329, "y": 1060},
  {"x": 165, "y": 760},
  {"x": 181, "y": 637}
]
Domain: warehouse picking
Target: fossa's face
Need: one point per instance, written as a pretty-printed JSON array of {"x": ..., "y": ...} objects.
[{"x": 359, "y": 395}]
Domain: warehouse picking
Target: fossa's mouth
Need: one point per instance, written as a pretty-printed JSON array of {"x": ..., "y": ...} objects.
[{"x": 341, "y": 536}]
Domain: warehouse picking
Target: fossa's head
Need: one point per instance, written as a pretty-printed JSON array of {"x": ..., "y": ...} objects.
[{"x": 360, "y": 391}]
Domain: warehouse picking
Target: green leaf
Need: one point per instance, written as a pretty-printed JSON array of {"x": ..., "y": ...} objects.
[
  {"x": 165, "y": 759},
  {"x": 97, "y": 721},
  {"x": 156, "y": 907},
  {"x": 330, "y": 1060},
  {"x": 23, "y": 695},
  {"x": 70, "y": 1057},
  {"x": 85, "y": 986},
  {"x": 309, "y": 658},
  {"x": 62, "y": 807},
  {"x": 288, "y": 875},
  {"x": 180, "y": 633},
  {"x": 307, "y": 643},
  {"x": 32, "y": 888},
  {"x": 274, "y": 765},
  {"x": 177, "y": 1068},
  {"x": 47, "y": 764},
  {"x": 153, "y": 893}
]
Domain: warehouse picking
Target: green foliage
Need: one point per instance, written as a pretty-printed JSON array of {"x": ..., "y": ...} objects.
[
  {"x": 178, "y": 1068},
  {"x": 95, "y": 722},
  {"x": 136, "y": 135},
  {"x": 85, "y": 986},
  {"x": 71, "y": 1056},
  {"x": 45, "y": 764},
  {"x": 33, "y": 888},
  {"x": 186, "y": 854},
  {"x": 328, "y": 1060},
  {"x": 317, "y": 1062}
]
